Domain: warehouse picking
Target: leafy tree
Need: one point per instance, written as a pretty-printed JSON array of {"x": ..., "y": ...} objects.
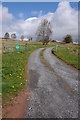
[
  {"x": 13, "y": 36},
  {"x": 68, "y": 39},
  {"x": 6, "y": 36},
  {"x": 44, "y": 31}
]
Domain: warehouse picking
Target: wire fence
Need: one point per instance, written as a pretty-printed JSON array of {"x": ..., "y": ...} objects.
[{"x": 13, "y": 45}]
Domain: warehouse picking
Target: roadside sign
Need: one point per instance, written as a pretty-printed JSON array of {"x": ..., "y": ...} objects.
[{"x": 17, "y": 46}]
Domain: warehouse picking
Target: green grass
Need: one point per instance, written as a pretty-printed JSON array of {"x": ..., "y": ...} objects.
[
  {"x": 42, "y": 51},
  {"x": 69, "y": 54},
  {"x": 44, "y": 61},
  {"x": 14, "y": 66},
  {"x": 14, "y": 71}
]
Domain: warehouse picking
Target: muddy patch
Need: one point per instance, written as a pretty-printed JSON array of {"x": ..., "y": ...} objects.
[{"x": 18, "y": 108}]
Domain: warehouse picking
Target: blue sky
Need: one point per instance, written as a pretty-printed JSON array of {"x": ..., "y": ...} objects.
[
  {"x": 25, "y": 17},
  {"x": 28, "y": 8}
]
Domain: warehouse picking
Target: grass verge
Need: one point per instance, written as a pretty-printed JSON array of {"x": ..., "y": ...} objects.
[
  {"x": 44, "y": 61},
  {"x": 14, "y": 69},
  {"x": 69, "y": 54},
  {"x": 14, "y": 73}
]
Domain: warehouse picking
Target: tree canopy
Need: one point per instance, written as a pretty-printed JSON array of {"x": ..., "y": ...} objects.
[
  {"x": 6, "y": 36},
  {"x": 68, "y": 39},
  {"x": 44, "y": 31},
  {"x": 13, "y": 36}
]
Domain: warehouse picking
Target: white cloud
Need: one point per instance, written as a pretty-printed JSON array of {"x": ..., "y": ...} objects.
[
  {"x": 40, "y": 13},
  {"x": 6, "y": 19},
  {"x": 21, "y": 15},
  {"x": 37, "y": 13},
  {"x": 0, "y": 20},
  {"x": 6, "y": 16},
  {"x": 63, "y": 21},
  {"x": 32, "y": 19},
  {"x": 0, "y": 13}
]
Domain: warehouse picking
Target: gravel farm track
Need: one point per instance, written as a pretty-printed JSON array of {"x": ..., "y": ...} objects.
[{"x": 54, "y": 92}]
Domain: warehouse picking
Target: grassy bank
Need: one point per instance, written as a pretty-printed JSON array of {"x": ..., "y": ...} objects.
[
  {"x": 14, "y": 71},
  {"x": 69, "y": 54},
  {"x": 14, "y": 68}
]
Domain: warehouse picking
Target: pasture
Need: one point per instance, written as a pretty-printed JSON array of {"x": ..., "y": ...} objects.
[
  {"x": 14, "y": 67},
  {"x": 14, "y": 64},
  {"x": 69, "y": 53}
]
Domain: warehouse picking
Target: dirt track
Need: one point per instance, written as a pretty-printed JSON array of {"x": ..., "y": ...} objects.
[{"x": 54, "y": 93}]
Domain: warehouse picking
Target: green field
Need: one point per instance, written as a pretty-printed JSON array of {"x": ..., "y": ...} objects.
[
  {"x": 14, "y": 70},
  {"x": 14, "y": 66},
  {"x": 69, "y": 54}
]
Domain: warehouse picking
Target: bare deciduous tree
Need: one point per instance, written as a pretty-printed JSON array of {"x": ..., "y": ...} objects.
[
  {"x": 44, "y": 31},
  {"x": 22, "y": 37}
]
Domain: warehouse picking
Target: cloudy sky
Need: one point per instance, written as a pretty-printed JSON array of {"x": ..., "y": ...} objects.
[{"x": 24, "y": 18}]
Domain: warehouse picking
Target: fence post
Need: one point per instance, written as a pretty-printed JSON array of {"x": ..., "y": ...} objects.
[
  {"x": 5, "y": 46},
  {"x": 26, "y": 46},
  {"x": 56, "y": 47}
]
